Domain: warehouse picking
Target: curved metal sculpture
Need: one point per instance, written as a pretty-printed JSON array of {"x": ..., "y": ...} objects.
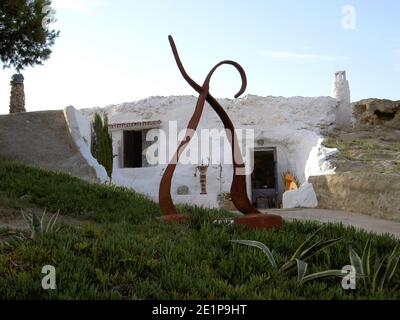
[{"x": 239, "y": 197}]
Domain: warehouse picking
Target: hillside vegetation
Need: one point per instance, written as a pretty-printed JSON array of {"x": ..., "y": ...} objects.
[{"x": 112, "y": 246}]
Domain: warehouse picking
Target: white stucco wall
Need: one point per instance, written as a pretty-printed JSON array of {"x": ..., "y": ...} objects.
[{"x": 292, "y": 125}]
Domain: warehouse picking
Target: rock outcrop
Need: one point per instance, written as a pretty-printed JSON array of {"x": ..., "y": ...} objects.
[
  {"x": 377, "y": 112},
  {"x": 369, "y": 193},
  {"x": 365, "y": 148},
  {"x": 367, "y": 169},
  {"x": 43, "y": 139}
]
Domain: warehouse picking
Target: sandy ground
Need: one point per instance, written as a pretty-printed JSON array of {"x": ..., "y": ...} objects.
[{"x": 357, "y": 220}]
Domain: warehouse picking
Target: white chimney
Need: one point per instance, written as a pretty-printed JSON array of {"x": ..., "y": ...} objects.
[{"x": 341, "y": 92}]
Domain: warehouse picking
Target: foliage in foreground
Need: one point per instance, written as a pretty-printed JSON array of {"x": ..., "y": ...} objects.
[
  {"x": 305, "y": 251},
  {"x": 378, "y": 274},
  {"x": 122, "y": 251}
]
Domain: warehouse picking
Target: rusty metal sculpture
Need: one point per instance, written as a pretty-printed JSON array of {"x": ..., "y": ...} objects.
[{"x": 252, "y": 218}]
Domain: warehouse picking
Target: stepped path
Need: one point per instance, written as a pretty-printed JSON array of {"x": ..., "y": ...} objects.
[{"x": 42, "y": 139}]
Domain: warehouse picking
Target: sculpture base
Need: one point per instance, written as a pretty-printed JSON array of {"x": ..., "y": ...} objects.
[
  {"x": 260, "y": 221},
  {"x": 174, "y": 218}
]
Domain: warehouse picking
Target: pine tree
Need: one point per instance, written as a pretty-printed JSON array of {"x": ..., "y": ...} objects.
[
  {"x": 25, "y": 39},
  {"x": 102, "y": 143}
]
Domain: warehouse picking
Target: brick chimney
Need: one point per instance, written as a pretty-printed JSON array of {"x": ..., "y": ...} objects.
[{"x": 17, "y": 98}]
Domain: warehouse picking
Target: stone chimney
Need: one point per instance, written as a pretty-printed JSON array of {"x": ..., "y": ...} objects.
[{"x": 17, "y": 98}]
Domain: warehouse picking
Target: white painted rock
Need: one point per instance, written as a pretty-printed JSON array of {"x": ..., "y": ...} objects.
[
  {"x": 80, "y": 129},
  {"x": 304, "y": 197}
]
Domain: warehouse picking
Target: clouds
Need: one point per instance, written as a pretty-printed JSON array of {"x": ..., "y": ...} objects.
[
  {"x": 86, "y": 7},
  {"x": 296, "y": 56}
]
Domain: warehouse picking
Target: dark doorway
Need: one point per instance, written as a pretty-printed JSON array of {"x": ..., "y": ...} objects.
[
  {"x": 133, "y": 149},
  {"x": 264, "y": 181}
]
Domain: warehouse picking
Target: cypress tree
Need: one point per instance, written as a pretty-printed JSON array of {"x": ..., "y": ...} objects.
[
  {"x": 102, "y": 143},
  {"x": 96, "y": 132},
  {"x": 107, "y": 147}
]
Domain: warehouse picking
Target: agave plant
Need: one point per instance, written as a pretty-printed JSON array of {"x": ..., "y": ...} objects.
[
  {"x": 37, "y": 226},
  {"x": 375, "y": 275},
  {"x": 303, "y": 277},
  {"x": 305, "y": 251}
]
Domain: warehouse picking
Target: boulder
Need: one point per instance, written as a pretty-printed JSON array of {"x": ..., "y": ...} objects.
[{"x": 304, "y": 197}]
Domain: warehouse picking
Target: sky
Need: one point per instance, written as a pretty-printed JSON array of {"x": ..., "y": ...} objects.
[{"x": 115, "y": 51}]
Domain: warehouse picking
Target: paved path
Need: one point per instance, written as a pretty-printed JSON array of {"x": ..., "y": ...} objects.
[{"x": 357, "y": 220}]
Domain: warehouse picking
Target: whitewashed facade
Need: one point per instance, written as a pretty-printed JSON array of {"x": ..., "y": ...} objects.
[{"x": 287, "y": 131}]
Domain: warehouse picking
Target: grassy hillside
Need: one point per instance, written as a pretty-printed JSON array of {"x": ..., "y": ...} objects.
[{"x": 120, "y": 250}]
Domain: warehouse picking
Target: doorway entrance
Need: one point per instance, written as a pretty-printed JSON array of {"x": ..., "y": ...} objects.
[
  {"x": 132, "y": 149},
  {"x": 264, "y": 181}
]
